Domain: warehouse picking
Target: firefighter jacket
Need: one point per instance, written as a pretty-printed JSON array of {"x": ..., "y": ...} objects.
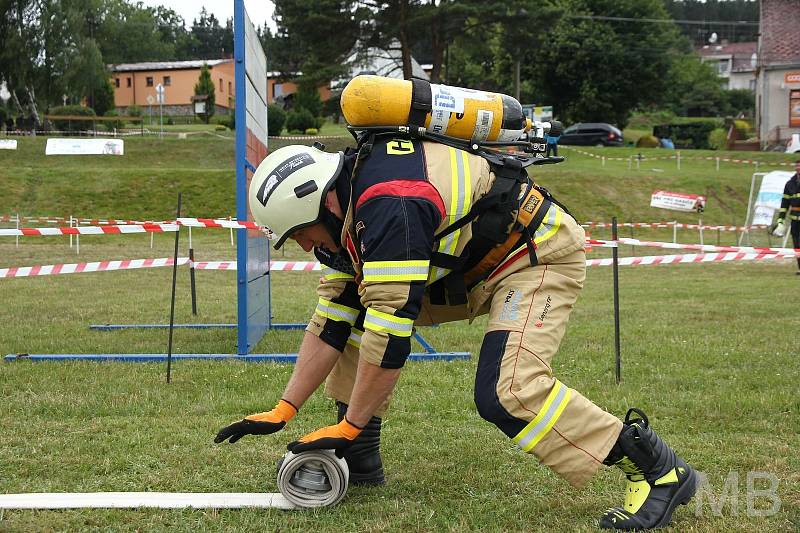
[
  {"x": 403, "y": 194},
  {"x": 790, "y": 204}
]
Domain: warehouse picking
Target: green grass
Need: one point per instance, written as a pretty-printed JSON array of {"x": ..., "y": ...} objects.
[{"x": 707, "y": 352}]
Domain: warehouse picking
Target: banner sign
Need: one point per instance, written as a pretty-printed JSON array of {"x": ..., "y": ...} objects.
[
  {"x": 538, "y": 112},
  {"x": 676, "y": 201},
  {"x": 769, "y": 196},
  {"x": 8, "y": 144},
  {"x": 84, "y": 147}
]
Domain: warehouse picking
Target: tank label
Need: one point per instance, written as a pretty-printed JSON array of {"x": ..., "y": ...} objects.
[
  {"x": 439, "y": 121},
  {"x": 483, "y": 125},
  {"x": 509, "y": 135},
  {"x": 446, "y": 98}
]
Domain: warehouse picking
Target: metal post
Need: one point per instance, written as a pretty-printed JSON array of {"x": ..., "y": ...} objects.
[
  {"x": 229, "y": 218},
  {"x": 700, "y": 227},
  {"x": 151, "y": 240},
  {"x": 675, "y": 232},
  {"x": 17, "y": 237},
  {"x": 192, "y": 280},
  {"x": 719, "y": 236},
  {"x": 615, "y": 270},
  {"x": 70, "y": 235},
  {"x": 172, "y": 300}
]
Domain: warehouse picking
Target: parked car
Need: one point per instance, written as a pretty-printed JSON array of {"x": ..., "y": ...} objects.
[
  {"x": 592, "y": 134},
  {"x": 793, "y": 145}
]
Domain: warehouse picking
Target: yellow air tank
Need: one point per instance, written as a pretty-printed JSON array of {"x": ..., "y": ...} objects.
[{"x": 463, "y": 113}]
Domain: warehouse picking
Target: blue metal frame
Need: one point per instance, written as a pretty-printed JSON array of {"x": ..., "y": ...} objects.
[{"x": 241, "y": 173}]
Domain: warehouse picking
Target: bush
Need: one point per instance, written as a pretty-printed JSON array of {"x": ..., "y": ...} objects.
[
  {"x": 3, "y": 116},
  {"x": 312, "y": 131},
  {"x": 647, "y": 141},
  {"x": 743, "y": 129},
  {"x": 691, "y": 135},
  {"x": 134, "y": 111},
  {"x": 74, "y": 125},
  {"x": 301, "y": 120},
  {"x": 276, "y": 118},
  {"x": 170, "y": 122},
  {"x": 111, "y": 125},
  {"x": 718, "y": 139}
]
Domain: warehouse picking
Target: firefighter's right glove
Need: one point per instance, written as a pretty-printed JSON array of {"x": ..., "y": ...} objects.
[
  {"x": 258, "y": 424},
  {"x": 779, "y": 229}
]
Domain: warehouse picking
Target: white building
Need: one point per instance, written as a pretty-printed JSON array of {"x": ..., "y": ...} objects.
[{"x": 735, "y": 63}]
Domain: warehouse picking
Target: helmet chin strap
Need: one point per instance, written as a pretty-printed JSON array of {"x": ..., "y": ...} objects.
[{"x": 332, "y": 224}]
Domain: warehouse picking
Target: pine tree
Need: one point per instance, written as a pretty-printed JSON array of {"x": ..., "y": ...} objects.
[{"x": 206, "y": 87}]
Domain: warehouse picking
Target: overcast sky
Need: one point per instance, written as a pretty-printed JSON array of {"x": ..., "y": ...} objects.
[{"x": 260, "y": 11}]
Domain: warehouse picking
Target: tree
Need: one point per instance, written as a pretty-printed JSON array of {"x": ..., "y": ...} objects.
[
  {"x": 596, "y": 69},
  {"x": 205, "y": 87},
  {"x": 694, "y": 88}
]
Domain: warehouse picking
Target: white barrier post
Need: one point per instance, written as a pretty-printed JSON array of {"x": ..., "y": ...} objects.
[
  {"x": 604, "y": 160},
  {"x": 229, "y": 218},
  {"x": 700, "y": 227},
  {"x": 675, "y": 231},
  {"x": 70, "y": 237},
  {"x": 630, "y": 161},
  {"x": 638, "y": 161},
  {"x": 151, "y": 239},
  {"x": 718, "y": 164},
  {"x": 17, "y": 238}
]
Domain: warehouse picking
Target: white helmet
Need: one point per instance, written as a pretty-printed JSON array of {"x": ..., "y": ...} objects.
[{"x": 288, "y": 190}]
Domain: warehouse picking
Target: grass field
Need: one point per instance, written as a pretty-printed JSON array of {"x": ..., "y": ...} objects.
[{"x": 707, "y": 351}]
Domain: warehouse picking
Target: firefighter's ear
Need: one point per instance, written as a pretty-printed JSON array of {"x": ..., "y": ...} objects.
[{"x": 332, "y": 204}]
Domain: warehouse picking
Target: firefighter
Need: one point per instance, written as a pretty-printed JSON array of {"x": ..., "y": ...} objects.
[
  {"x": 790, "y": 207},
  {"x": 395, "y": 227}
]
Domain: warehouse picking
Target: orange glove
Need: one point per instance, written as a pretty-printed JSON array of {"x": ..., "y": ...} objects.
[
  {"x": 335, "y": 437},
  {"x": 258, "y": 424}
]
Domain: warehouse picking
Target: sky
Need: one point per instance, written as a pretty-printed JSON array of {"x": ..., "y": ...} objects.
[{"x": 260, "y": 11}]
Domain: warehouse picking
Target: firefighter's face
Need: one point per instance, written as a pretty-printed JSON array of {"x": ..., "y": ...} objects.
[{"x": 315, "y": 236}]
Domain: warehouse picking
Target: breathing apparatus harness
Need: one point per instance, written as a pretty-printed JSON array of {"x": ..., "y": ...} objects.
[{"x": 506, "y": 215}]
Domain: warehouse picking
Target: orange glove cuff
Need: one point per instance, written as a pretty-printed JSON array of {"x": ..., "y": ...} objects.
[
  {"x": 348, "y": 430},
  {"x": 285, "y": 410}
]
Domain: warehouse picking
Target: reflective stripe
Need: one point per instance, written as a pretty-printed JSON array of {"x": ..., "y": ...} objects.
[
  {"x": 549, "y": 225},
  {"x": 331, "y": 274},
  {"x": 553, "y": 406},
  {"x": 386, "y": 323},
  {"x": 337, "y": 312},
  {"x": 414, "y": 270},
  {"x": 460, "y": 204},
  {"x": 355, "y": 338}
]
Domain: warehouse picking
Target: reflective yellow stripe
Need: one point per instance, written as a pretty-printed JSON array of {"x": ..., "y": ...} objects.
[
  {"x": 553, "y": 406},
  {"x": 337, "y": 312},
  {"x": 413, "y": 270},
  {"x": 549, "y": 225},
  {"x": 460, "y": 204},
  {"x": 331, "y": 274},
  {"x": 355, "y": 338},
  {"x": 386, "y": 323}
]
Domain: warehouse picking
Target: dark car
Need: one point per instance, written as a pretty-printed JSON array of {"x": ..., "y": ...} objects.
[{"x": 592, "y": 134}]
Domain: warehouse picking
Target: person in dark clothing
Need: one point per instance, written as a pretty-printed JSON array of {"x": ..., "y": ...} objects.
[{"x": 790, "y": 210}]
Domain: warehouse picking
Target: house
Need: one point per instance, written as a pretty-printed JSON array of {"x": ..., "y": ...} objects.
[
  {"x": 136, "y": 84},
  {"x": 778, "y": 72},
  {"x": 735, "y": 63}
]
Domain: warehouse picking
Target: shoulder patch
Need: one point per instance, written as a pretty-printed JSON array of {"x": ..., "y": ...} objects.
[{"x": 399, "y": 147}]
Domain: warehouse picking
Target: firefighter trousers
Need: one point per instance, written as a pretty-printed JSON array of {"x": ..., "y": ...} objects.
[{"x": 515, "y": 388}]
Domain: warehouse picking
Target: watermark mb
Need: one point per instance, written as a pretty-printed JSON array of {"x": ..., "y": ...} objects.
[{"x": 761, "y": 494}]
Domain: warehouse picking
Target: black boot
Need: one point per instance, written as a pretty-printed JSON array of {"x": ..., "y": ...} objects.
[
  {"x": 364, "y": 455},
  {"x": 658, "y": 480}
]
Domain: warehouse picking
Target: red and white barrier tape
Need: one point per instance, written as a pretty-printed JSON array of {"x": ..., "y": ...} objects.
[
  {"x": 306, "y": 266},
  {"x": 699, "y": 247},
  {"x": 77, "y": 268},
  {"x": 90, "y": 230},
  {"x": 688, "y": 258},
  {"x": 656, "y": 225},
  {"x": 645, "y": 158}
]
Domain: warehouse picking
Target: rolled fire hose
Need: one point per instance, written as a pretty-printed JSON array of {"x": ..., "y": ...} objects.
[{"x": 316, "y": 478}]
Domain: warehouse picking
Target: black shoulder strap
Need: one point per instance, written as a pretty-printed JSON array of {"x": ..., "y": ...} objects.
[{"x": 421, "y": 102}]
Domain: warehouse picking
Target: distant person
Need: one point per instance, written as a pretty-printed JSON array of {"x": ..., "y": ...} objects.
[
  {"x": 790, "y": 206},
  {"x": 667, "y": 143},
  {"x": 552, "y": 143}
]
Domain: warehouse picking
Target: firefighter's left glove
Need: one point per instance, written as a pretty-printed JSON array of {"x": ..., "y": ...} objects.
[
  {"x": 338, "y": 437},
  {"x": 258, "y": 424}
]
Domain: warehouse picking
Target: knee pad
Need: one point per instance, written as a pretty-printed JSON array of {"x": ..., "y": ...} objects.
[{"x": 488, "y": 373}]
